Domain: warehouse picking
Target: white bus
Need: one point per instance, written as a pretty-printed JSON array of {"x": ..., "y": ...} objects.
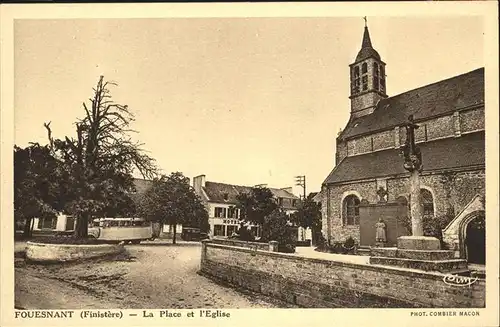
[{"x": 128, "y": 230}]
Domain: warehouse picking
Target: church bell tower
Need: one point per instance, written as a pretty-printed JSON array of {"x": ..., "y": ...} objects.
[{"x": 367, "y": 79}]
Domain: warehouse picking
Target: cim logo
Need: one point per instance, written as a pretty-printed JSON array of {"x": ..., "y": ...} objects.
[{"x": 455, "y": 280}]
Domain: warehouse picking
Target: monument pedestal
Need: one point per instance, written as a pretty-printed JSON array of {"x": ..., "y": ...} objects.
[
  {"x": 418, "y": 243},
  {"x": 419, "y": 252}
]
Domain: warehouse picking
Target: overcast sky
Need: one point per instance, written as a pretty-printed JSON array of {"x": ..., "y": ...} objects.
[{"x": 242, "y": 100}]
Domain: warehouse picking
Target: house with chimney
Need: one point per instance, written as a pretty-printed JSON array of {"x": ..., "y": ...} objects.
[{"x": 221, "y": 200}]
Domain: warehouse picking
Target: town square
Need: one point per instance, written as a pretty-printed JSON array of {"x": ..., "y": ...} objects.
[{"x": 189, "y": 166}]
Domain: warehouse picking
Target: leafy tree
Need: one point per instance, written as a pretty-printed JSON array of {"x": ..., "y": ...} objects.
[
  {"x": 35, "y": 185},
  {"x": 98, "y": 164},
  {"x": 259, "y": 207},
  {"x": 276, "y": 227},
  {"x": 256, "y": 205},
  {"x": 170, "y": 200},
  {"x": 308, "y": 215}
]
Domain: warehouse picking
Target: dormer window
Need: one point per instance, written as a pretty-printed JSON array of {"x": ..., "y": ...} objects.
[{"x": 226, "y": 196}]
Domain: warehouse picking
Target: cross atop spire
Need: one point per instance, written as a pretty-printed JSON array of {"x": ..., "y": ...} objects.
[{"x": 366, "y": 46}]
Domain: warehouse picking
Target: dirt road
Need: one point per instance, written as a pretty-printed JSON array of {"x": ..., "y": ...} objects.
[{"x": 157, "y": 276}]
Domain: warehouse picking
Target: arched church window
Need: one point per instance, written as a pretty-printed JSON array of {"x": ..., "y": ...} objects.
[
  {"x": 375, "y": 69},
  {"x": 364, "y": 68},
  {"x": 427, "y": 202},
  {"x": 365, "y": 82},
  {"x": 356, "y": 80},
  {"x": 375, "y": 82},
  {"x": 351, "y": 210},
  {"x": 382, "y": 78}
]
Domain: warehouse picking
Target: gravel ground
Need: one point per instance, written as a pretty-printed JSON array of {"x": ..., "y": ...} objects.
[{"x": 152, "y": 275}]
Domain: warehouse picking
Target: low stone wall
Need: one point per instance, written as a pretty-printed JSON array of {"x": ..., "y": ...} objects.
[
  {"x": 319, "y": 283},
  {"x": 46, "y": 253},
  {"x": 243, "y": 244}
]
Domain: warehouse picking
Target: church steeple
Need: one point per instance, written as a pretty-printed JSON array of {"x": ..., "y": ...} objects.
[
  {"x": 367, "y": 78},
  {"x": 367, "y": 43}
]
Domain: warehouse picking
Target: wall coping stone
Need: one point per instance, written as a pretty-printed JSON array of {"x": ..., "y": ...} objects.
[
  {"x": 374, "y": 267},
  {"x": 68, "y": 245},
  {"x": 48, "y": 253}
]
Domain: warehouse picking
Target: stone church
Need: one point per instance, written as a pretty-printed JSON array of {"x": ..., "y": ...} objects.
[{"x": 369, "y": 163}]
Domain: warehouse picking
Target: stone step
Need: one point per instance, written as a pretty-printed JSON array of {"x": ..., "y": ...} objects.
[
  {"x": 363, "y": 251},
  {"x": 444, "y": 266},
  {"x": 413, "y": 254}
]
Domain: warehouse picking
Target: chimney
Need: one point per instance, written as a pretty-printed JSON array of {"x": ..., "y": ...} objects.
[
  {"x": 288, "y": 189},
  {"x": 198, "y": 183}
]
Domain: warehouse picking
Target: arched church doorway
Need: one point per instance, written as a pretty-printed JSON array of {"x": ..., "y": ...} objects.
[{"x": 475, "y": 238}]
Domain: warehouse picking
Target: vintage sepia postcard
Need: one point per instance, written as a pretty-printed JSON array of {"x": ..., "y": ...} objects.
[{"x": 250, "y": 164}]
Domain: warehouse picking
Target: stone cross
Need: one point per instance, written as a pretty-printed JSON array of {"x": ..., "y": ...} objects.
[
  {"x": 382, "y": 193},
  {"x": 412, "y": 155},
  {"x": 413, "y": 163}
]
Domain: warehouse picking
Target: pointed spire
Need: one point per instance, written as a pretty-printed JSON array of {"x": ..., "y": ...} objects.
[
  {"x": 366, "y": 46},
  {"x": 367, "y": 43}
]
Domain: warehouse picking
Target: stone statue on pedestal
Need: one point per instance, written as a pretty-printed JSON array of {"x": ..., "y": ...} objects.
[{"x": 380, "y": 234}]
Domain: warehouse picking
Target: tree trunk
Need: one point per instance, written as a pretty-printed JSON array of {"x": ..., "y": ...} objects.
[
  {"x": 82, "y": 225},
  {"x": 27, "y": 228},
  {"x": 175, "y": 232}
]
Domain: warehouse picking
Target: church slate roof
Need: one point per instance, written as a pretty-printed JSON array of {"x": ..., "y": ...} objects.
[
  {"x": 443, "y": 154},
  {"x": 435, "y": 99},
  {"x": 216, "y": 192}
]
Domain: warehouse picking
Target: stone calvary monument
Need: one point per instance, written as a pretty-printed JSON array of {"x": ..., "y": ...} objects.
[{"x": 416, "y": 251}]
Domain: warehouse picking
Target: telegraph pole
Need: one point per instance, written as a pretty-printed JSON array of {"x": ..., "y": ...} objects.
[{"x": 301, "y": 181}]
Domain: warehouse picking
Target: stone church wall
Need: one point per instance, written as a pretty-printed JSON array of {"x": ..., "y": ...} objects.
[
  {"x": 332, "y": 207},
  {"x": 439, "y": 127},
  {"x": 451, "y": 192},
  {"x": 432, "y": 129},
  {"x": 341, "y": 152},
  {"x": 472, "y": 120}
]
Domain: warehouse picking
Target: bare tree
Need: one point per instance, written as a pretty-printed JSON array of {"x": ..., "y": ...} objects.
[{"x": 99, "y": 163}]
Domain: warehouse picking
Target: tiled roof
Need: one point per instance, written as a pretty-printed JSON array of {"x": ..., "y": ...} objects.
[
  {"x": 280, "y": 193},
  {"x": 435, "y": 99},
  {"x": 227, "y": 193},
  {"x": 449, "y": 153}
]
